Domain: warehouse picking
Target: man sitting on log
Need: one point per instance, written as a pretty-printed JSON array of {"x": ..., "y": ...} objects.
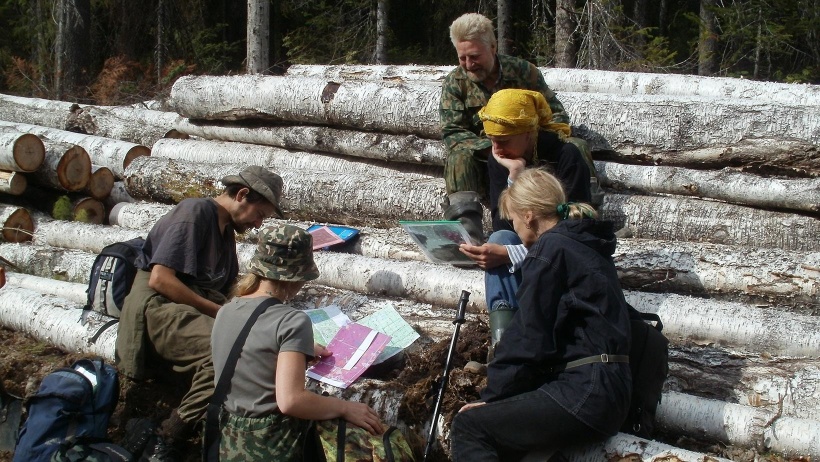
[
  {"x": 523, "y": 133},
  {"x": 481, "y": 72},
  {"x": 187, "y": 266}
]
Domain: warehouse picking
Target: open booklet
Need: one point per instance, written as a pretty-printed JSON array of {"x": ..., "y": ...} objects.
[{"x": 439, "y": 240}]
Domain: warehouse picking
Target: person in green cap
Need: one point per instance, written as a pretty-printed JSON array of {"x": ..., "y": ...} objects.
[
  {"x": 186, "y": 269},
  {"x": 267, "y": 404}
]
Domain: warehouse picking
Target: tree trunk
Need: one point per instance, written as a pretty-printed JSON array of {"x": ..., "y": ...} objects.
[
  {"x": 72, "y": 291},
  {"x": 67, "y": 167},
  {"x": 320, "y": 196},
  {"x": 159, "y": 49},
  {"x": 405, "y": 108},
  {"x": 13, "y": 183},
  {"x": 505, "y": 27},
  {"x": 727, "y": 185},
  {"x": 382, "y": 31},
  {"x": 20, "y": 152},
  {"x": 674, "y": 219},
  {"x": 101, "y": 182},
  {"x": 73, "y": 45},
  {"x": 369, "y": 145},
  {"x": 708, "y": 57},
  {"x": 258, "y": 58},
  {"x": 114, "y": 154},
  {"x": 17, "y": 224},
  {"x": 565, "y": 24},
  {"x": 215, "y": 152}
]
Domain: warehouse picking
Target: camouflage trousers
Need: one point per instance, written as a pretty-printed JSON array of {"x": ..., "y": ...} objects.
[
  {"x": 275, "y": 437},
  {"x": 466, "y": 170}
]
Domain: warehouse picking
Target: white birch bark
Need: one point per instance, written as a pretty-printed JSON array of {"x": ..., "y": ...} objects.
[
  {"x": 111, "y": 153},
  {"x": 20, "y": 152},
  {"x": 308, "y": 194},
  {"x": 215, "y": 152},
  {"x": 137, "y": 215},
  {"x": 727, "y": 185},
  {"x": 258, "y": 36},
  {"x": 118, "y": 195},
  {"x": 623, "y": 447},
  {"x": 67, "y": 167},
  {"x": 34, "y": 111},
  {"x": 88, "y": 237},
  {"x": 591, "y": 81},
  {"x": 13, "y": 183},
  {"x": 685, "y": 219},
  {"x": 393, "y": 108},
  {"x": 17, "y": 223},
  {"x": 74, "y": 292},
  {"x": 348, "y": 142}
]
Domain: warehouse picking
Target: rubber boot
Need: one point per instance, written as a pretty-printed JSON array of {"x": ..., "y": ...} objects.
[
  {"x": 465, "y": 206},
  {"x": 500, "y": 318}
]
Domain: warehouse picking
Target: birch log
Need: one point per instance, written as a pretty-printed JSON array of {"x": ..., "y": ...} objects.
[
  {"x": 17, "y": 223},
  {"x": 13, "y": 183},
  {"x": 100, "y": 183},
  {"x": 590, "y": 81},
  {"x": 317, "y": 196},
  {"x": 392, "y": 108},
  {"x": 281, "y": 159},
  {"x": 67, "y": 167},
  {"x": 71, "y": 291},
  {"x": 34, "y": 111},
  {"x": 87, "y": 237},
  {"x": 727, "y": 185},
  {"x": 118, "y": 195},
  {"x": 683, "y": 219},
  {"x": 20, "y": 152},
  {"x": 114, "y": 154}
]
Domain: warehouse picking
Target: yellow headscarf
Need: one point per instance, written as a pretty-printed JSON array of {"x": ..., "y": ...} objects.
[{"x": 512, "y": 112}]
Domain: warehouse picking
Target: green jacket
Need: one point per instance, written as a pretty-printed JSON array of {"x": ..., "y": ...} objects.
[{"x": 461, "y": 99}]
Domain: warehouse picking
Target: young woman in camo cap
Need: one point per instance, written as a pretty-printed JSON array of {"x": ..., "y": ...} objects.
[{"x": 267, "y": 404}]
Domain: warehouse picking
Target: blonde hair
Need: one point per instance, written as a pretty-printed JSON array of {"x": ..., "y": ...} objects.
[
  {"x": 541, "y": 192},
  {"x": 283, "y": 290},
  {"x": 473, "y": 27}
]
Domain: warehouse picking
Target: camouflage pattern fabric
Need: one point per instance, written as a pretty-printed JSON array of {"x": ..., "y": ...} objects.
[
  {"x": 284, "y": 253},
  {"x": 274, "y": 437},
  {"x": 461, "y": 99},
  {"x": 361, "y": 446}
]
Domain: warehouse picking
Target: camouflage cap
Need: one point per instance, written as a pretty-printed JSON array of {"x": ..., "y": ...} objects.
[
  {"x": 261, "y": 180},
  {"x": 284, "y": 253}
]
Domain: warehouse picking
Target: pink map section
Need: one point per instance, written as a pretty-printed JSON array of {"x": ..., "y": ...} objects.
[{"x": 355, "y": 347}]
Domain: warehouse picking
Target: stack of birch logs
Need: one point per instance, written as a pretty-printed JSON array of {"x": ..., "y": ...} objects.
[{"x": 716, "y": 182}]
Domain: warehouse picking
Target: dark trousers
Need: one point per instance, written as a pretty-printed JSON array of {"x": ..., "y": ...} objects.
[{"x": 509, "y": 429}]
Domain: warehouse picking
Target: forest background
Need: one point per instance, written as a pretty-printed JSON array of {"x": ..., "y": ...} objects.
[{"x": 125, "y": 51}]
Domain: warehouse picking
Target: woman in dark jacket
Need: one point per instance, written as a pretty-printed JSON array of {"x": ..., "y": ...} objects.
[{"x": 560, "y": 375}]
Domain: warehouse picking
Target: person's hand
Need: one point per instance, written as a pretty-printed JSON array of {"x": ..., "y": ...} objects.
[
  {"x": 364, "y": 416},
  {"x": 515, "y": 166},
  {"x": 319, "y": 352},
  {"x": 471, "y": 405},
  {"x": 486, "y": 256}
]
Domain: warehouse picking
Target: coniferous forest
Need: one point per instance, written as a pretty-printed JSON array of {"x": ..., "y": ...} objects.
[{"x": 117, "y": 51}]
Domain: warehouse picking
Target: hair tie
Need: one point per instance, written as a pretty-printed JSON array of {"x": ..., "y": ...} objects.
[{"x": 563, "y": 210}]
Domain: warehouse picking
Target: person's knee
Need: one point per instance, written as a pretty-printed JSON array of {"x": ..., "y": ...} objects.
[{"x": 504, "y": 237}]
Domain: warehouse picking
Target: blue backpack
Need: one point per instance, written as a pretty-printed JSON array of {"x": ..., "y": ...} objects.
[{"x": 72, "y": 405}]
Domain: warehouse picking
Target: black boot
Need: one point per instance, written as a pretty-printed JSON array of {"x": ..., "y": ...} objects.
[{"x": 465, "y": 206}]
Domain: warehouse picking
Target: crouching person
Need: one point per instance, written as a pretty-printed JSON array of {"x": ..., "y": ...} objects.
[
  {"x": 560, "y": 374},
  {"x": 267, "y": 406}
]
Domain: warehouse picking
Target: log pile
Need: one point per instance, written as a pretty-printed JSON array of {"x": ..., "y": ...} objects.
[{"x": 718, "y": 195}]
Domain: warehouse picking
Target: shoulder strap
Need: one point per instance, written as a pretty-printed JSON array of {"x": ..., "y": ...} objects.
[
  {"x": 388, "y": 447},
  {"x": 211, "y": 437},
  {"x": 340, "y": 440}
]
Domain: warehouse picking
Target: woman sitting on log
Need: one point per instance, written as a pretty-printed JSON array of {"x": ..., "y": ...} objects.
[
  {"x": 560, "y": 375},
  {"x": 267, "y": 404}
]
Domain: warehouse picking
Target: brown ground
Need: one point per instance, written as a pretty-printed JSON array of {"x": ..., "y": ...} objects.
[{"x": 24, "y": 362}]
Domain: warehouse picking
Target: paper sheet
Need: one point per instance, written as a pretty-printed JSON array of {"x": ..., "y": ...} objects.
[{"x": 351, "y": 342}]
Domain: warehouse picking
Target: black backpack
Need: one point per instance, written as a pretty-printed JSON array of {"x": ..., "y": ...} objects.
[
  {"x": 649, "y": 361},
  {"x": 111, "y": 276}
]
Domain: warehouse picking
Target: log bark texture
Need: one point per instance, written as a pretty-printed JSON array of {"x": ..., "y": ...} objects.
[
  {"x": 13, "y": 183},
  {"x": 215, "y": 152},
  {"x": 17, "y": 223},
  {"x": 727, "y": 185},
  {"x": 392, "y": 108},
  {"x": 67, "y": 167},
  {"x": 20, "y": 152},
  {"x": 107, "y": 152},
  {"x": 684, "y": 219}
]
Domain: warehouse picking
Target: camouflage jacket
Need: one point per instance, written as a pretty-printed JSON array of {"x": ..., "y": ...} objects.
[{"x": 461, "y": 99}]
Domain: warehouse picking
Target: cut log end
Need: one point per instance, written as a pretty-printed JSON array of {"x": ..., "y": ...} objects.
[
  {"x": 176, "y": 134},
  {"x": 89, "y": 210},
  {"x": 133, "y": 153},
  {"x": 102, "y": 181},
  {"x": 29, "y": 152},
  {"x": 12, "y": 183},
  {"x": 18, "y": 227},
  {"x": 74, "y": 169}
]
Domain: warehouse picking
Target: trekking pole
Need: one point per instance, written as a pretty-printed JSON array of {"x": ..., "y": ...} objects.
[{"x": 442, "y": 385}]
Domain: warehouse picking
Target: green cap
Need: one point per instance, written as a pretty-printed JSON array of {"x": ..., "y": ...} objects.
[
  {"x": 261, "y": 180},
  {"x": 284, "y": 253}
]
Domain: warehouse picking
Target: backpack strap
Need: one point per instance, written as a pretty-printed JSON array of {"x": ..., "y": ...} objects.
[
  {"x": 388, "y": 448},
  {"x": 212, "y": 432},
  {"x": 340, "y": 440}
]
